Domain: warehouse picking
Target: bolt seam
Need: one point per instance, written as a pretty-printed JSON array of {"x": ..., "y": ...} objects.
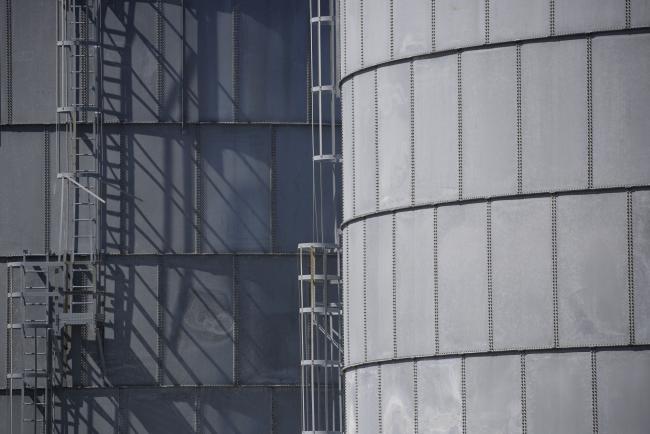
[
  {"x": 487, "y": 21},
  {"x": 365, "y": 296},
  {"x": 160, "y": 58},
  {"x": 415, "y": 398},
  {"x": 347, "y": 292},
  {"x": 356, "y": 401},
  {"x": 394, "y": 272},
  {"x": 362, "y": 30},
  {"x": 554, "y": 264},
  {"x": 520, "y": 180},
  {"x": 391, "y": 14},
  {"x": 235, "y": 315},
  {"x": 630, "y": 269},
  {"x": 524, "y": 411},
  {"x": 354, "y": 180},
  {"x": 274, "y": 189},
  {"x": 376, "y": 85},
  {"x": 460, "y": 125},
  {"x": 594, "y": 392},
  {"x": 235, "y": 61},
  {"x": 161, "y": 326},
  {"x": 412, "y": 129},
  {"x": 379, "y": 401},
  {"x": 435, "y": 283},
  {"x": 463, "y": 392},
  {"x": 46, "y": 192},
  {"x": 590, "y": 117},
  {"x": 198, "y": 197},
  {"x": 9, "y": 61},
  {"x": 551, "y": 23},
  {"x": 490, "y": 299},
  {"x": 628, "y": 14},
  {"x": 433, "y": 25}
]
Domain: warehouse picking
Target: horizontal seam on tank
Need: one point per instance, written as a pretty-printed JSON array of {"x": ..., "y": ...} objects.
[
  {"x": 500, "y": 352},
  {"x": 501, "y": 197},
  {"x": 512, "y": 43}
]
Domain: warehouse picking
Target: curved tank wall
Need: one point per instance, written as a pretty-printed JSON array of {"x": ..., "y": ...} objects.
[
  {"x": 207, "y": 167},
  {"x": 496, "y": 215}
]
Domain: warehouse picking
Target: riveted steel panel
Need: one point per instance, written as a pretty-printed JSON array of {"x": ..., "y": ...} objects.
[
  {"x": 379, "y": 287},
  {"x": 33, "y": 61},
  {"x": 412, "y": 27},
  {"x": 641, "y": 264},
  {"x": 640, "y": 13},
  {"x": 623, "y": 391},
  {"x": 21, "y": 175},
  {"x": 208, "y": 72},
  {"x": 131, "y": 331},
  {"x": 87, "y": 410},
  {"x": 351, "y": 38},
  {"x": 394, "y": 135},
  {"x": 582, "y": 16},
  {"x": 489, "y": 134},
  {"x": 241, "y": 410},
  {"x": 236, "y": 163},
  {"x": 558, "y": 392},
  {"x": 463, "y": 287},
  {"x": 511, "y": 20},
  {"x": 439, "y": 396},
  {"x": 351, "y": 422},
  {"x": 554, "y": 115},
  {"x": 364, "y": 142},
  {"x": 376, "y": 34},
  {"x": 592, "y": 269},
  {"x": 397, "y": 406},
  {"x": 268, "y": 328},
  {"x": 493, "y": 394},
  {"x": 415, "y": 282},
  {"x": 286, "y": 402},
  {"x": 198, "y": 335},
  {"x": 436, "y": 129},
  {"x": 522, "y": 273},
  {"x": 368, "y": 399},
  {"x": 355, "y": 286},
  {"x": 621, "y": 99},
  {"x": 347, "y": 129},
  {"x": 160, "y": 410},
  {"x": 459, "y": 24},
  {"x": 275, "y": 42},
  {"x": 5, "y": 65}
]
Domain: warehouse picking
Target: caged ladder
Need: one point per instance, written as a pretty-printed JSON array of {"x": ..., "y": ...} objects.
[{"x": 319, "y": 261}]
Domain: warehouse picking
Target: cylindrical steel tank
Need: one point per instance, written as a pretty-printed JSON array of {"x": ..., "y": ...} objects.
[{"x": 496, "y": 215}]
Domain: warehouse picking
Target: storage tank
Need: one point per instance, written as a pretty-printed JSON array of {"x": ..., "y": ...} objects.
[
  {"x": 205, "y": 168},
  {"x": 496, "y": 215}
]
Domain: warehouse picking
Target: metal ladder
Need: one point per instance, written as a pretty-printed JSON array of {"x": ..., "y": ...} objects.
[{"x": 319, "y": 261}]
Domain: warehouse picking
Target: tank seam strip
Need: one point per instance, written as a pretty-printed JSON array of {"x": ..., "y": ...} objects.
[
  {"x": 433, "y": 25},
  {"x": 198, "y": 196},
  {"x": 412, "y": 130},
  {"x": 435, "y": 283},
  {"x": 594, "y": 392},
  {"x": 379, "y": 401},
  {"x": 361, "y": 18},
  {"x": 345, "y": 35},
  {"x": 9, "y": 61},
  {"x": 235, "y": 315},
  {"x": 46, "y": 191},
  {"x": 391, "y": 14},
  {"x": 235, "y": 61},
  {"x": 273, "y": 411},
  {"x": 365, "y": 296},
  {"x": 590, "y": 117},
  {"x": 416, "y": 429},
  {"x": 394, "y": 278},
  {"x": 628, "y": 14},
  {"x": 524, "y": 415},
  {"x": 356, "y": 402},
  {"x": 197, "y": 410},
  {"x": 487, "y": 20},
  {"x": 376, "y": 120},
  {"x": 8, "y": 333},
  {"x": 463, "y": 393},
  {"x": 490, "y": 296},
  {"x": 630, "y": 267},
  {"x": 520, "y": 175},
  {"x": 556, "y": 320},
  {"x": 273, "y": 215},
  {"x": 347, "y": 293},
  {"x": 160, "y": 57},
  {"x": 551, "y": 18},
  {"x": 160, "y": 327},
  {"x": 460, "y": 125},
  {"x": 354, "y": 178}
]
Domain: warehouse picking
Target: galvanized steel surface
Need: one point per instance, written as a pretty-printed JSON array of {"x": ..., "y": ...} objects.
[{"x": 496, "y": 192}]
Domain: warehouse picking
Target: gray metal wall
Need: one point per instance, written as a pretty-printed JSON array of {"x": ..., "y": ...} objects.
[
  {"x": 497, "y": 215},
  {"x": 208, "y": 188}
]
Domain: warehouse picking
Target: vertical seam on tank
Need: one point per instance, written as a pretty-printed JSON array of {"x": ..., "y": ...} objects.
[
  {"x": 490, "y": 299},
  {"x": 628, "y": 14},
  {"x": 273, "y": 410},
  {"x": 235, "y": 61},
  {"x": 391, "y": 24},
  {"x": 594, "y": 392},
  {"x": 436, "y": 329},
  {"x": 412, "y": 129},
  {"x": 347, "y": 295},
  {"x": 520, "y": 178},
  {"x": 630, "y": 267},
  {"x": 551, "y": 18},
  {"x": 524, "y": 411},
  {"x": 487, "y": 20},
  {"x": 8, "y": 336},
  {"x": 309, "y": 81},
  {"x": 345, "y": 36},
  {"x": 198, "y": 195},
  {"x": 361, "y": 18},
  {"x": 394, "y": 277},
  {"x": 433, "y": 25},
  {"x": 459, "y": 63},
  {"x": 590, "y": 118},
  {"x": 274, "y": 190},
  {"x": 161, "y": 326},
  {"x": 554, "y": 260},
  {"x": 365, "y": 296},
  {"x": 197, "y": 409},
  {"x": 380, "y": 420},
  {"x": 9, "y": 61},
  {"x": 356, "y": 401},
  {"x": 235, "y": 317},
  {"x": 160, "y": 58},
  {"x": 415, "y": 398},
  {"x": 376, "y": 85},
  {"x": 463, "y": 393},
  {"x": 354, "y": 176},
  {"x": 46, "y": 191}
]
